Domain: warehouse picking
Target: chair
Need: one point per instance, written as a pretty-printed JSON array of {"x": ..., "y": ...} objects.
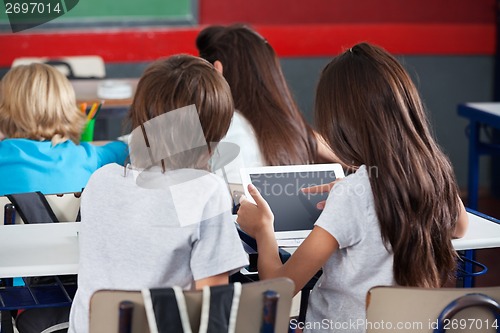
[
  {"x": 420, "y": 310},
  {"x": 65, "y": 207},
  {"x": 37, "y": 292},
  {"x": 105, "y": 305},
  {"x": 74, "y": 67}
]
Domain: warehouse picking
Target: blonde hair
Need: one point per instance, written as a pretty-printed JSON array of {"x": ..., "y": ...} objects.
[{"x": 38, "y": 102}]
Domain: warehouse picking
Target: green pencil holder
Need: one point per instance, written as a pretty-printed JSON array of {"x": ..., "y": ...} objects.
[{"x": 88, "y": 131}]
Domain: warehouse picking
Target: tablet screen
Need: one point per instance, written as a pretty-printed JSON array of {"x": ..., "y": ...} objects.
[{"x": 293, "y": 210}]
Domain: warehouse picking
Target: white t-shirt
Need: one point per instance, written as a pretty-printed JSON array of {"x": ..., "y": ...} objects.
[
  {"x": 338, "y": 300},
  {"x": 241, "y": 132},
  {"x": 173, "y": 229}
]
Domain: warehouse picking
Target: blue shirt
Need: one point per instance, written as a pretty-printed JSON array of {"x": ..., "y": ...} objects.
[{"x": 29, "y": 165}]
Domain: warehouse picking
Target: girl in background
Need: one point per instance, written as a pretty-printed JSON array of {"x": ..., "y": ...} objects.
[{"x": 267, "y": 125}]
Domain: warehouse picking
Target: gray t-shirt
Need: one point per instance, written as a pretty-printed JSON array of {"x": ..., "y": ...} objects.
[
  {"x": 171, "y": 229},
  {"x": 337, "y": 302}
]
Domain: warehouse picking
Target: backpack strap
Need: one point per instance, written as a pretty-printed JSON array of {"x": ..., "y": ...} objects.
[
  {"x": 166, "y": 310},
  {"x": 220, "y": 308},
  {"x": 78, "y": 216},
  {"x": 33, "y": 207}
]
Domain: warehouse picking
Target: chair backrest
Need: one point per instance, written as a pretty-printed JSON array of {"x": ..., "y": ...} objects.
[
  {"x": 74, "y": 67},
  {"x": 65, "y": 207},
  {"x": 410, "y": 310},
  {"x": 104, "y": 306}
]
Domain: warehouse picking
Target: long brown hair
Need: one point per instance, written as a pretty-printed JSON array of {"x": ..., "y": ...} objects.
[
  {"x": 368, "y": 108},
  {"x": 260, "y": 92}
]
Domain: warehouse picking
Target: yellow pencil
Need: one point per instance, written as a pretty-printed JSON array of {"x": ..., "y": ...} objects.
[
  {"x": 92, "y": 111},
  {"x": 98, "y": 109}
]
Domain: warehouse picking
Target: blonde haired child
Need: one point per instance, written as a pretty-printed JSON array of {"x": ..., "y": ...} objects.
[{"x": 42, "y": 125}]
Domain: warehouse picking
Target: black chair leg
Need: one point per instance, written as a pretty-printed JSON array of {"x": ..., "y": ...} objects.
[{"x": 6, "y": 323}]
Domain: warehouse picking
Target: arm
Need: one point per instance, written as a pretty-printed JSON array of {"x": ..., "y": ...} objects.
[
  {"x": 308, "y": 258},
  {"x": 215, "y": 280},
  {"x": 216, "y": 250},
  {"x": 100, "y": 143},
  {"x": 112, "y": 152},
  {"x": 462, "y": 222},
  {"x": 257, "y": 221}
]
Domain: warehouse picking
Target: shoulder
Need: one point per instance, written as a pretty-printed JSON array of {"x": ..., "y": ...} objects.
[
  {"x": 352, "y": 195},
  {"x": 103, "y": 182},
  {"x": 110, "y": 169},
  {"x": 34, "y": 149},
  {"x": 22, "y": 144},
  {"x": 349, "y": 209},
  {"x": 210, "y": 188},
  {"x": 104, "y": 174},
  {"x": 238, "y": 118},
  {"x": 239, "y": 124},
  {"x": 203, "y": 180},
  {"x": 357, "y": 183}
]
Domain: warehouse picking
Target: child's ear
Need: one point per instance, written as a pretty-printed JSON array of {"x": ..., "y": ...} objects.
[{"x": 218, "y": 66}]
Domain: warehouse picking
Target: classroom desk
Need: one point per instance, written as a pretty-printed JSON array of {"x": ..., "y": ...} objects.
[
  {"x": 52, "y": 248},
  {"x": 110, "y": 121},
  {"x": 479, "y": 114},
  {"x": 39, "y": 249},
  {"x": 86, "y": 92},
  {"x": 28, "y": 250},
  {"x": 483, "y": 232}
]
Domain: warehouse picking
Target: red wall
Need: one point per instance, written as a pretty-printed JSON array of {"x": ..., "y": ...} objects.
[
  {"x": 347, "y": 11},
  {"x": 295, "y": 28}
]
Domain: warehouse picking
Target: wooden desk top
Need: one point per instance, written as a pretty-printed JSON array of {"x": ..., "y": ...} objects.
[{"x": 86, "y": 92}]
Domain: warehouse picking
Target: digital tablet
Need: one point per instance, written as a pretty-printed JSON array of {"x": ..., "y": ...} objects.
[{"x": 295, "y": 212}]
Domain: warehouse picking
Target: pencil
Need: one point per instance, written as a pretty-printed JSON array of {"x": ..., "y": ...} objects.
[
  {"x": 98, "y": 109},
  {"x": 83, "y": 108},
  {"x": 92, "y": 111}
]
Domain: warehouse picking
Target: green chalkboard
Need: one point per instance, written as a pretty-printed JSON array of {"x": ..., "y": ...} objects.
[
  {"x": 131, "y": 9},
  {"x": 103, "y": 13}
]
